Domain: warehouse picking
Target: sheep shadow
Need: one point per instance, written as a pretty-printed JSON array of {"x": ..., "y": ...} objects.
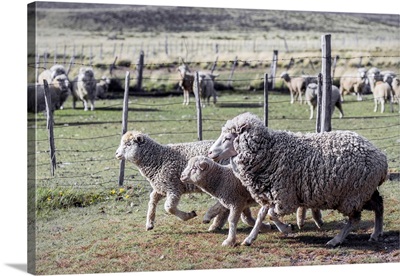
[
  {"x": 388, "y": 242},
  {"x": 239, "y": 105}
]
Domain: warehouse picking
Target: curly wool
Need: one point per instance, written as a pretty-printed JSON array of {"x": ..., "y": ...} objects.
[{"x": 330, "y": 170}]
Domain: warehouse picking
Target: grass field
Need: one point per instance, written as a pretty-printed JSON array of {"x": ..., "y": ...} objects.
[{"x": 86, "y": 223}]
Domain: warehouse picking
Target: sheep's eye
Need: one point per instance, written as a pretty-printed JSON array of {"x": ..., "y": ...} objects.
[
  {"x": 128, "y": 144},
  {"x": 226, "y": 139}
]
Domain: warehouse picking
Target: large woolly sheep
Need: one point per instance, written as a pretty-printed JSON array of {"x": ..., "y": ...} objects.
[
  {"x": 382, "y": 93},
  {"x": 282, "y": 170},
  {"x": 312, "y": 94},
  {"x": 297, "y": 87},
  {"x": 59, "y": 91},
  {"x": 353, "y": 83},
  {"x": 220, "y": 182},
  {"x": 84, "y": 88},
  {"x": 162, "y": 165}
]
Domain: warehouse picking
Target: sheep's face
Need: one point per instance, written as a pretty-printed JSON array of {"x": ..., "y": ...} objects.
[
  {"x": 223, "y": 147},
  {"x": 62, "y": 83},
  {"x": 130, "y": 145},
  {"x": 195, "y": 170}
]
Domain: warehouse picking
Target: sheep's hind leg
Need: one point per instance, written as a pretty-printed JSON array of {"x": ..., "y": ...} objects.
[
  {"x": 300, "y": 216},
  {"x": 151, "y": 211},
  {"x": 354, "y": 219},
  {"x": 284, "y": 228},
  {"x": 376, "y": 204},
  {"x": 248, "y": 219},
  {"x": 317, "y": 216},
  {"x": 220, "y": 215},
  {"x": 256, "y": 229},
  {"x": 171, "y": 206}
]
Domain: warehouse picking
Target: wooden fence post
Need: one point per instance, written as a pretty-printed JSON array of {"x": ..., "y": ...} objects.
[
  {"x": 273, "y": 68},
  {"x": 50, "y": 126},
  {"x": 124, "y": 126},
  {"x": 319, "y": 104},
  {"x": 229, "y": 84},
  {"x": 65, "y": 53},
  {"x": 37, "y": 67},
  {"x": 326, "y": 83},
  {"x": 266, "y": 99},
  {"x": 198, "y": 106},
  {"x": 140, "y": 66}
]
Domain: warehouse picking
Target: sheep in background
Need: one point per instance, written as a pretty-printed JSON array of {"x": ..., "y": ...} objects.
[
  {"x": 354, "y": 83},
  {"x": 186, "y": 82},
  {"x": 220, "y": 182},
  {"x": 372, "y": 77},
  {"x": 84, "y": 88},
  {"x": 162, "y": 166},
  {"x": 50, "y": 74},
  {"x": 297, "y": 87},
  {"x": 312, "y": 94},
  {"x": 206, "y": 88},
  {"x": 282, "y": 170},
  {"x": 102, "y": 87},
  {"x": 396, "y": 91},
  {"x": 382, "y": 93},
  {"x": 59, "y": 91}
]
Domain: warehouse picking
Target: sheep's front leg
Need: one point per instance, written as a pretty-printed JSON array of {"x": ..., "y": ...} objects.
[
  {"x": 317, "y": 216},
  {"x": 233, "y": 221},
  {"x": 85, "y": 105},
  {"x": 256, "y": 229},
  {"x": 171, "y": 206},
  {"x": 151, "y": 211}
]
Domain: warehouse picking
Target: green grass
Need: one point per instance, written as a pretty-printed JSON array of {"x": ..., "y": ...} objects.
[{"x": 87, "y": 224}]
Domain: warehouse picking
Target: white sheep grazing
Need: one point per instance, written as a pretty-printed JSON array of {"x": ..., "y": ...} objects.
[
  {"x": 312, "y": 97},
  {"x": 84, "y": 88},
  {"x": 59, "y": 91},
  {"x": 297, "y": 87},
  {"x": 353, "y": 83},
  {"x": 162, "y": 165},
  {"x": 102, "y": 87},
  {"x": 337, "y": 170},
  {"x": 220, "y": 182},
  {"x": 382, "y": 93},
  {"x": 396, "y": 91}
]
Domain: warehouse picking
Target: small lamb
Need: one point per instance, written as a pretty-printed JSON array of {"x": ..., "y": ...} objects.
[
  {"x": 382, "y": 93},
  {"x": 220, "y": 182}
]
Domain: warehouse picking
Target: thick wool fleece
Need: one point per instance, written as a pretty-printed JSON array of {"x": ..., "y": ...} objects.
[{"x": 331, "y": 170}]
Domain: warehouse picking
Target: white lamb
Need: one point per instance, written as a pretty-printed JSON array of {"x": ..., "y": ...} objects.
[
  {"x": 220, "y": 182},
  {"x": 382, "y": 93}
]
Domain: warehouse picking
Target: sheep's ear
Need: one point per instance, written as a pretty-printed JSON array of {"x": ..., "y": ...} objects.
[
  {"x": 139, "y": 139},
  {"x": 203, "y": 165},
  {"x": 242, "y": 128}
]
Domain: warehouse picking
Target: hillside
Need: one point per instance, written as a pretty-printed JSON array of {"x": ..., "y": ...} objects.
[{"x": 100, "y": 17}]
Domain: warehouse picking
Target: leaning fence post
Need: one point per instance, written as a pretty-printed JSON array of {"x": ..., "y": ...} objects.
[
  {"x": 50, "y": 124},
  {"x": 326, "y": 83},
  {"x": 198, "y": 106},
  {"x": 266, "y": 100},
  {"x": 231, "y": 74},
  {"x": 124, "y": 126}
]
